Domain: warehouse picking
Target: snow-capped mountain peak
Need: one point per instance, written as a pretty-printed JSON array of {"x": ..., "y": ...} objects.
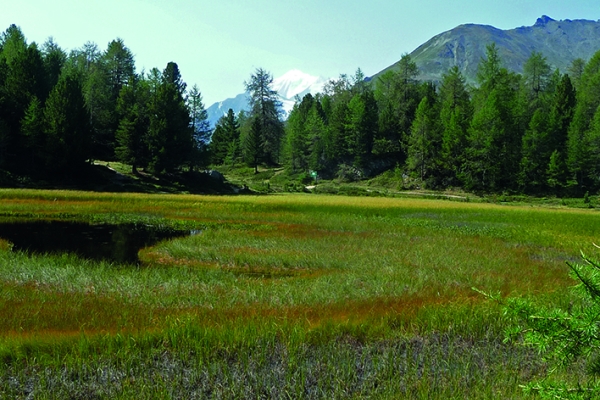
[
  {"x": 296, "y": 82},
  {"x": 291, "y": 84}
]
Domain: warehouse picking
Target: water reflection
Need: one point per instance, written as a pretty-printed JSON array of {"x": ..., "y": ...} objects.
[{"x": 119, "y": 243}]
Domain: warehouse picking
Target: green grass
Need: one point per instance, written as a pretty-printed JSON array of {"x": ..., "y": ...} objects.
[{"x": 294, "y": 296}]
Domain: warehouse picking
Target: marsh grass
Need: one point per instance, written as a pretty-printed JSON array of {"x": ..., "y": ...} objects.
[{"x": 284, "y": 296}]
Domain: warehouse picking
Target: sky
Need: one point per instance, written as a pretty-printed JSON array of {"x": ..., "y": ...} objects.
[{"x": 218, "y": 44}]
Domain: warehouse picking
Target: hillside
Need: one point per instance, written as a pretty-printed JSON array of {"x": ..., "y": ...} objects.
[{"x": 559, "y": 41}]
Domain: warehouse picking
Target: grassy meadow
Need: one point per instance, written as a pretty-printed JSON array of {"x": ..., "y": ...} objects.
[{"x": 283, "y": 296}]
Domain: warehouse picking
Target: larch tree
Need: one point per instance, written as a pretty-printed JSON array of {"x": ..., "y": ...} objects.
[
  {"x": 54, "y": 59},
  {"x": 362, "y": 127},
  {"x": 536, "y": 76},
  {"x": 494, "y": 136},
  {"x": 561, "y": 115},
  {"x": 580, "y": 157},
  {"x": 119, "y": 66},
  {"x": 266, "y": 107},
  {"x": 132, "y": 133},
  {"x": 455, "y": 117},
  {"x": 424, "y": 143}
]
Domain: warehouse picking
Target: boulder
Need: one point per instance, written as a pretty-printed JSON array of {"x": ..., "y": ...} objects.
[{"x": 216, "y": 175}]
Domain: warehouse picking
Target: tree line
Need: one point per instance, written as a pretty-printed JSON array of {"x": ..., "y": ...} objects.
[
  {"x": 537, "y": 132},
  {"x": 59, "y": 111}
]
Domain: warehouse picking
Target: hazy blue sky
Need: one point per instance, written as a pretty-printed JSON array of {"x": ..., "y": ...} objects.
[{"x": 218, "y": 44}]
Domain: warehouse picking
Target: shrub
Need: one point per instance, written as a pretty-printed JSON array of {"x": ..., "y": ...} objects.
[{"x": 564, "y": 337}]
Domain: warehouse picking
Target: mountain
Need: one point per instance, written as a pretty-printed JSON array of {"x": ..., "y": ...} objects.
[
  {"x": 217, "y": 110},
  {"x": 464, "y": 46},
  {"x": 293, "y": 83}
]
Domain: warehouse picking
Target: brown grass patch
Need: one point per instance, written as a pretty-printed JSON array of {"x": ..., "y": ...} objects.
[{"x": 31, "y": 310}]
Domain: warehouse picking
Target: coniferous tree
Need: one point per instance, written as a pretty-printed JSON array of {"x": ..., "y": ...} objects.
[
  {"x": 170, "y": 134},
  {"x": 535, "y": 155},
  {"x": 296, "y": 135},
  {"x": 118, "y": 68},
  {"x": 265, "y": 105},
  {"x": 581, "y": 135},
  {"x": 494, "y": 136},
  {"x": 253, "y": 145},
  {"x": 562, "y": 108},
  {"x": 556, "y": 173},
  {"x": 337, "y": 96},
  {"x": 66, "y": 126},
  {"x": 13, "y": 43},
  {"x": 87, "y": 61},
  {"x": 234, "y": 148},
  {"x": 201, "y": 131},
  {"x": 388, "y": 139},
  {"x": 32, "y": 129},
  {"x": 24, "y": 80},
  {"x": 455, "y": 118},
  {"x": 4, "y": 116},
  {"x": 592, "y": 141},
  {"x": 224, "y": 145},
  {"x": 132, "y": 133},
  {"x": 397, "y": 93},
  {"x": 316, "y": 131},
  {"x": 54, "y": 59},
  {"x": 424, "y": 144},
  {"x": 536, "y": 77},
  {"x": 575, "y": 71},
  {"x": 362, "y": 127}
]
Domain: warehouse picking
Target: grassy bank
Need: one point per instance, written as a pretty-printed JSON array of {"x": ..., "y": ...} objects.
[{"x": 295, "y": 295}]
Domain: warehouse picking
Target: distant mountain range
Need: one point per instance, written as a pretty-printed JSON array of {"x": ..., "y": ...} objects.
[
  {"x": 464, "y": 46},
  {"x": 291, "y": 84}
]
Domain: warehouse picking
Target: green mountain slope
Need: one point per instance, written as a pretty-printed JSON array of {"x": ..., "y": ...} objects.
[{"x": 559, "y": 41}]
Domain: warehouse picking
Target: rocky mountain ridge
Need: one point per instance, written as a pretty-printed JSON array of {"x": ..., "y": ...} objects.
[{"x": 464, "y": 46}]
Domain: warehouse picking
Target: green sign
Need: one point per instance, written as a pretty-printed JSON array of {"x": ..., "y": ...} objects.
[{"x": 313, "y": 174}]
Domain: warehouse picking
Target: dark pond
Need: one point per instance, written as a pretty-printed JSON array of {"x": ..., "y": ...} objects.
[{"x": 119, "y": 243}]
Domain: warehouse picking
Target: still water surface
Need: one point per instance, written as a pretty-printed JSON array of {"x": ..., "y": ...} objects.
[{"x": 118, "y": 243}]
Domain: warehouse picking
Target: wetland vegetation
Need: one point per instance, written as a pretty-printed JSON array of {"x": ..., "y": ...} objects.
[{"x": 284, "y": 296}]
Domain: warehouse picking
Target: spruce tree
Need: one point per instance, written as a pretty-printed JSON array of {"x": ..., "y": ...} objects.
[
  {"x": 170, "y": 133},
  {"x": 224, "y": 144},
  {"x": 253, "y": 145},
  {"x": 67, "y": 126}
]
